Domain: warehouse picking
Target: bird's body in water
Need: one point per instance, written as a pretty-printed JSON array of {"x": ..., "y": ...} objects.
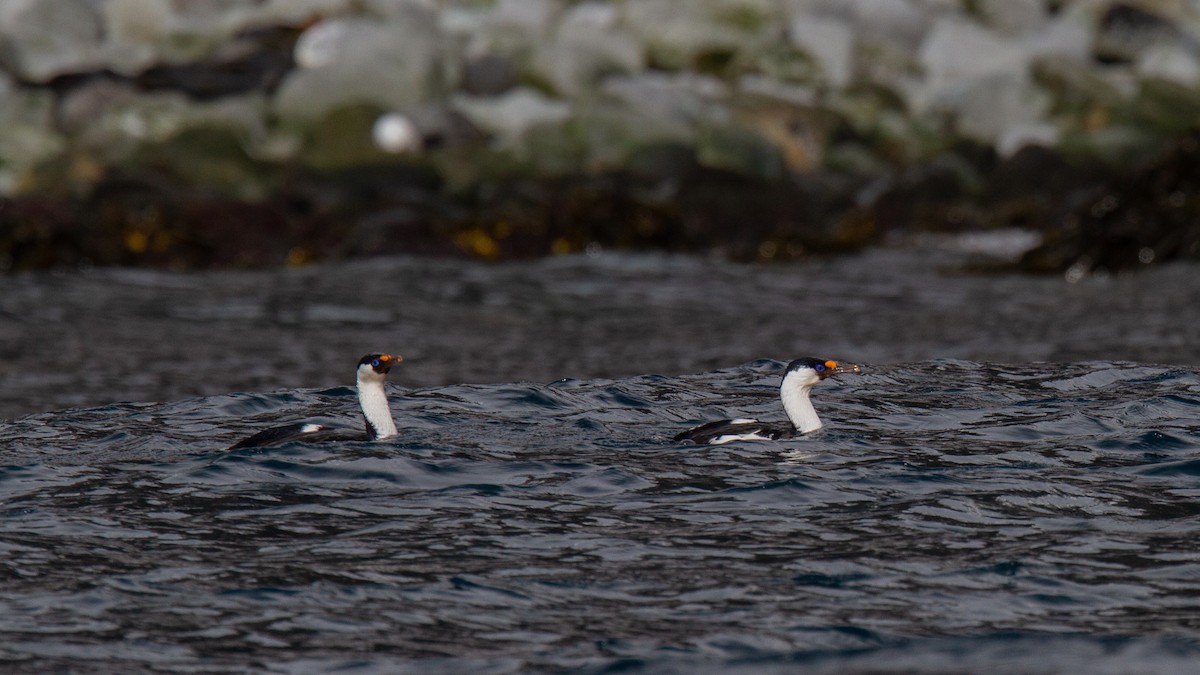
[
  {"x": 372, "y": 373},
  {"x": 799, "y": 378}
]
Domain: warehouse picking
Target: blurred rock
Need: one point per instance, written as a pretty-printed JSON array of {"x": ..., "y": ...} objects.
[
  {"x": 957, "y": 54},
  {"x": 684, "y": 99},
  {"x": 394, "y": 64},
  {"x": 702, "y": 35},
  {"x": 1018, "y": 137},
  {"x": 510, "y": 116},
  {"x": 1034, "y": 189},
  {"x": 1165, "y": 107},
  {"x": 488, "y": 75},
  {"x": 901, "y": 23},
  {"x": 1005, "y": 112},
  {"x": 122, "y": 122},
  {"x": 29, "y": 137},
  {"x": 135, "y": 29},
  {"x": 888, "y": 115},
  {"x": 612, "y": 138},
  {"x": 1173, "y": 62},
  {"x": 43, "y": 39},
  {"x": 932, "y": 197},
  {"x": 509, "y": 28},
  {"x": 1066, "y": 37},
  {"x": 1011, "y": 16},
  {"x": 982, "y": 80},
  {"x": 82, "y": 105},
  {"x": 1079, "y": 96},
  {"x": 296, "y": 12},
  {"x": 798, "y": 134},
  {"x": 531, "y": 17},
  {"x": 1126, "y": 30},
  {"x": 830, "y": 42},
  {"x": 1150, "y": 214},
  {"x": 344, "y": 138},
  {"x": 254, "y": 61},
  {"x": 588, "y": 44},
  {"x": 741, "y": 152}
]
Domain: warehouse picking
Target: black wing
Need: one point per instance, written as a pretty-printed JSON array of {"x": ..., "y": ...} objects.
[
  {"x": 707, "y": 433},
  {"x": 308, "y": 432}
]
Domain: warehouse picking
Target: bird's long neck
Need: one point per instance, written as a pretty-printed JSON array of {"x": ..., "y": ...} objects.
[
  {"x": 375, "y": 409},
  {"x": 798, "y": 407}
]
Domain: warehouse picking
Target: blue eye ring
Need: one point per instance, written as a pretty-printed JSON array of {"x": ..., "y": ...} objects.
[
  {"x": 819, "y": 367},
  {"x": 375, "y": 363}
]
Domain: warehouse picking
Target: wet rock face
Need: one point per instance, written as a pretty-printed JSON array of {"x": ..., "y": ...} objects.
[
  {"x": 140, "y": 222},
  {"x": 672, "y": 202},
  {"x": 1150, "y": 214},
  {"x": 354, "y": 212}
]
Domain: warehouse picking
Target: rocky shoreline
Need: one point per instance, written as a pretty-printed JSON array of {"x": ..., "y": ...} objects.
[{"x": 199, "y": 135}]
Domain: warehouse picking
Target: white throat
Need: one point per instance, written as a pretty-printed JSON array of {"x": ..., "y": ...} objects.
[
  {"x": 799, "y": 409},
  {"x": 375, "y": 406}
]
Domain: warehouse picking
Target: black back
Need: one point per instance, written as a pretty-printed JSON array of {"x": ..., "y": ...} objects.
[
  {"x": 707, "y": 433},
  {"x": 290, "y": 433}
]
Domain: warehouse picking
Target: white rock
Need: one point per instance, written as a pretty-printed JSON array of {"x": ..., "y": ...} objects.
[
  {"x": 830, "y": 42},
  {"x": 395, "y": 64},
  {"x": 676, "y": 31},
  {"x": 939, "y": 7},
  {"x": 684, "y": 97},
  {"x": 588, "y": 16},
  {"x": 462, "y": 23},
  {"x": 898, "y": 21},
  {"x": 982, "y": 81},
  {"x": 134, "y": 30},
  {"x": 530, "y": 16},
  {"x": 47, "y": 38},
  {"x": 1170, "y": 61},
  {"x": 394, "y": 8},
  {"x": 886, "y": 37},
  {"x": 325, "y": 42},
  {"x": 772, "y": 88},
  {"x": 1068, "y": 36},
  {"x": 292, "y": 12},
  {"x": 200, "y": 27},
  {"x": 588, "y": 44},
  {"x": 510, "y": 115},
  {"x": 1012, "y": 16},
  {"x": 958, "y": 53},
  {"x": 989, "y": 108}
]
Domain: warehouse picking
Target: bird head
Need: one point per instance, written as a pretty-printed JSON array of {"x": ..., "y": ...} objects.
[
  {"x": 376, "y": 366},
  {"x": 810, "y": 371}
]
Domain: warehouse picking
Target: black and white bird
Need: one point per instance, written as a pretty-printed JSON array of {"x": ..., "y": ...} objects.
[
  {"x": 799, "y": 378},
  {"x": 372, "y": 373}
]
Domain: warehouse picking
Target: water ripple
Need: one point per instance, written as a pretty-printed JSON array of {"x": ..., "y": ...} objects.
[{"x": 951, "y": 512}]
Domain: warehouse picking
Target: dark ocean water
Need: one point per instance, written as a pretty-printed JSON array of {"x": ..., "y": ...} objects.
[
  {"x": 82, "y": 339},
  {"x": 953, "y": 516}
]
